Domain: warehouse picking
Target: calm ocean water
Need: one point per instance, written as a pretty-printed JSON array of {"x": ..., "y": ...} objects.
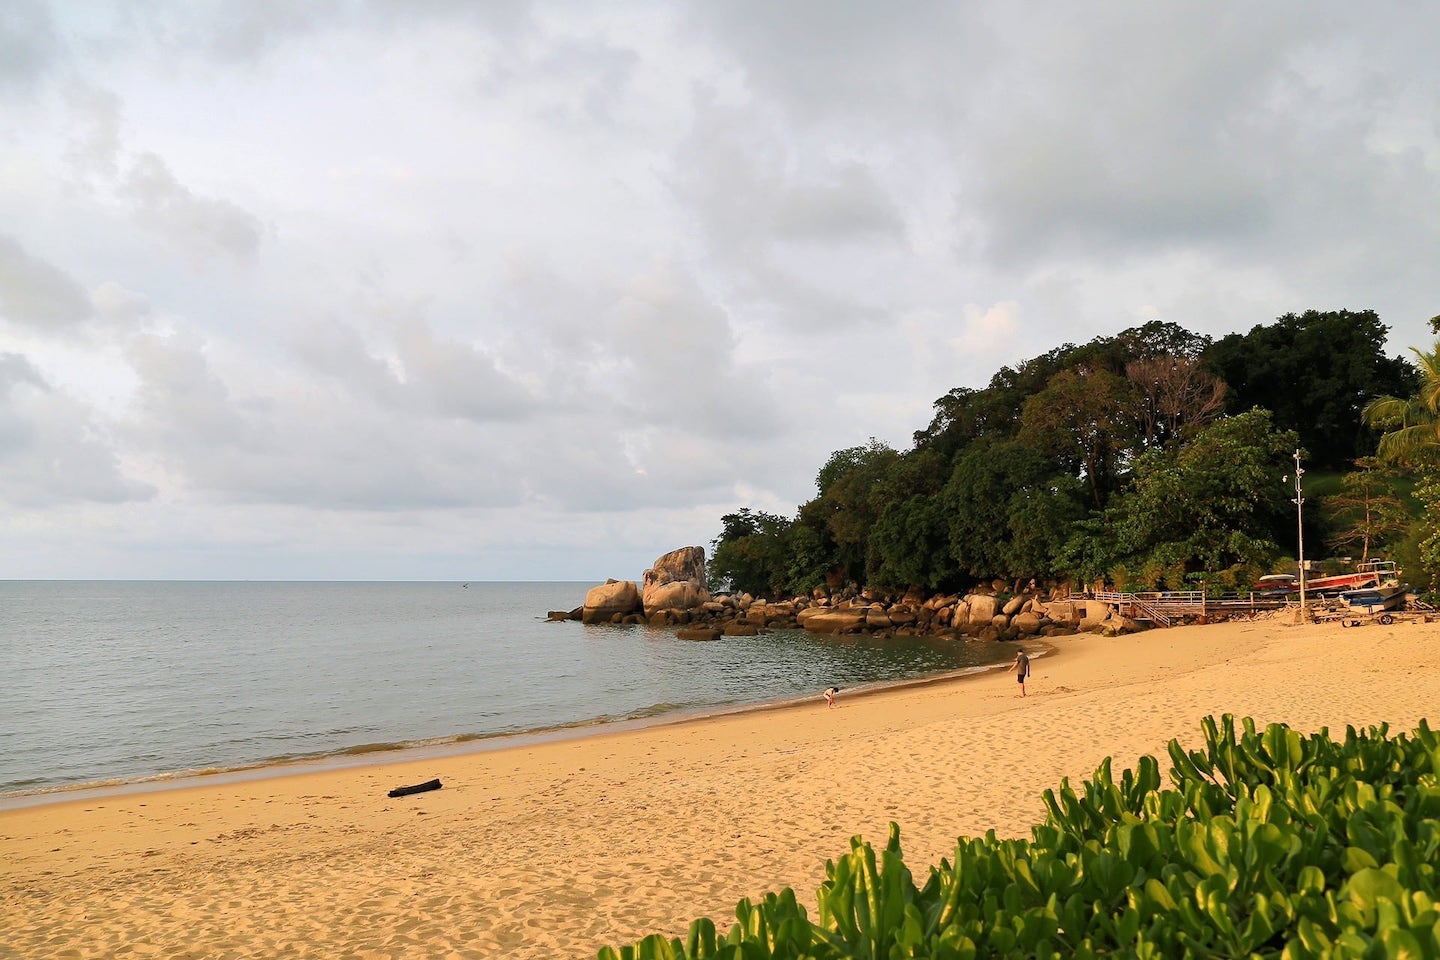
[{"x": 110, "y": 681}]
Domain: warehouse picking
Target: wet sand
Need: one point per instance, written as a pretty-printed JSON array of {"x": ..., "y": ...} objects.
[{"x": 558, "y": 848}]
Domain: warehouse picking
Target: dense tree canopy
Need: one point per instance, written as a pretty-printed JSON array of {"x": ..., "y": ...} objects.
[
  {"x": 752, "y": 553},
  {"x": 1008, "y": 510},
  {"x": 1153, "y": 452},
  {"x": 1216, "y": 505},
  {"x": 1316, "y": 372}
]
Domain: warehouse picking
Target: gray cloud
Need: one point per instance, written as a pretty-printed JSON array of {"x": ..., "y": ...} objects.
[
  {"x": 52, "y": 450},
  {"x": 206, "y": 224},
  {"x": 36, "y": 294},
  {"x": 94, "y": 151},
  {"x": 851, "y": 65},
  {"x": 28, "y": 42},
  {"x": 433, "y": 274},
  {"x": 290, "y": 444},
  {"x": 457, "y": 379},
  {"x": 1185, "y": 131}
]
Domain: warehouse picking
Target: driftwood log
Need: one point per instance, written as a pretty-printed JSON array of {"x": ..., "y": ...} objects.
[{"x": 425, "y": 787}]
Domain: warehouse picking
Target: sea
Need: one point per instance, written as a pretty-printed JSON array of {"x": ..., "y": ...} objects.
[{"x": 126, "y": 682}]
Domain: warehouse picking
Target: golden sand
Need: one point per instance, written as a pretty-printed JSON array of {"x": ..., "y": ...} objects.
[{"x": 556, "y": 849}]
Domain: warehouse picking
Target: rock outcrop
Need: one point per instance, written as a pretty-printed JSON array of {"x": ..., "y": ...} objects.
[
  {"x": 983, "y": 607},
  {"x": 673, "y": 595},
  {"x": 833, "y": 619},
  {"x": 676, "y": 581},
  {"x": 610, "y": 602}
]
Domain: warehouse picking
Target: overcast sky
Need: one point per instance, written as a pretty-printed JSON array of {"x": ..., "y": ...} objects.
[{"x": 414, "y": 289}]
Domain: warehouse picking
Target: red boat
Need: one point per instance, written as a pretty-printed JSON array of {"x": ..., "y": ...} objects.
[{"x": 1371, "y": 573}]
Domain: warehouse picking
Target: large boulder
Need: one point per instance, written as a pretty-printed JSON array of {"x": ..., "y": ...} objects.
[
  {"x": 609, "y": 599},
  {"x": 676, "y": 581},
  {"x": 833, "y": 619},
  {"x": 1064, "y": 611},
  {"x": 983, "y": 607},
  {"x": 1095, "y": 616},
  {"x": 901, "y": 615},
  {"x": 1028, "y": 622},
  {"x": 676, "y": 595}
]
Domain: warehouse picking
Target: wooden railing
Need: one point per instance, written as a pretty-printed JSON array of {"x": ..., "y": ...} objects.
[{"x": 1162, "y": 606}]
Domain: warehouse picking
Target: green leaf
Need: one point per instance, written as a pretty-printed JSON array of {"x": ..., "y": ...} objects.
[
  {"x": 1367, "y": 887},
  {"x": 1401, "y": 944},
  {"x": 1357, "y": 859},
  {"x": 1310, "y": 880}
]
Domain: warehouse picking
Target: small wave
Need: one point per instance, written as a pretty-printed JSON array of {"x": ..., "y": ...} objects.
[
  {"x": 657, "y": 710},
  {"x": 363, "y": 748}
]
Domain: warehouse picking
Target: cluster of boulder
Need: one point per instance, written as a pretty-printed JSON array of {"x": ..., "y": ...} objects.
[{"x": 672, "y": 593}]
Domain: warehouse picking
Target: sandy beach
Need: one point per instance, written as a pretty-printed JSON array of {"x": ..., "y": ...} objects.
[{"x": 559, "y": 848}]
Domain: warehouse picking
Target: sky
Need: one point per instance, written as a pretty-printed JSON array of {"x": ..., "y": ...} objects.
[{"x": 430, "y": 290}]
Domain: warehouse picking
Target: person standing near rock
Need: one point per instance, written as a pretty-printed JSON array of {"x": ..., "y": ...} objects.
[{"x": 1021, "y": 669}]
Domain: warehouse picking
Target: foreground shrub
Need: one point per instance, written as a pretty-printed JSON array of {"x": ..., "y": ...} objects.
[{"x": 1266, "y": 844}]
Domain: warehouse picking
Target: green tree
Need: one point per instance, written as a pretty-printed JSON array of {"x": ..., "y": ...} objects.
[
  {"x": 1316, "y": 372},
  {"x": 1085, "y": 418},
  {"x": 813, "y": 558},
  {"x": 1412, "y": 440},
  {"x": 1412, "y": 425},
  {"x": 1008, "y": 510},
  {"x": 1160, "y": 338},
  {"x": 752, "y": 553},
  {"x": 907, "y": 545},
  {"x": 1213, "y": 505},
  {"x": 1365, "y": 513},
  {"x": 855, "y": 486},
  {"x": 1427, "y": 491}
]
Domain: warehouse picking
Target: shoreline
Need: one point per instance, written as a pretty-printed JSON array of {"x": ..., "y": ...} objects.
[
  {"x": 560, "y": 848},
  {"x": 368, "y": 755}
]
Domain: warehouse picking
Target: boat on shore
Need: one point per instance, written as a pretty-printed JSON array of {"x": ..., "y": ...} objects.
[
  {"x": 1367, "y": 575},
  {"x": 1277, "y": 585},
  {"x": 1371, "y": 573},
  {"x": 1371, "y": 600}
]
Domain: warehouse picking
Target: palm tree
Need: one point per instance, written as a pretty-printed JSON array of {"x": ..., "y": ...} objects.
[
  {"x": 1412, "y": 427},
  {"x": 1412, "y": 438}
]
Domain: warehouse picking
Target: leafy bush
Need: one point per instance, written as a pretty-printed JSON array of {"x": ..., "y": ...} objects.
[{"x": 1268, "y": 844}]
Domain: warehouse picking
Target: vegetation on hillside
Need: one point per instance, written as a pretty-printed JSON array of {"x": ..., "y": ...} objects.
[
  {"x": 1156, "y": 454},
  {"x": 1412, "y": 442}
]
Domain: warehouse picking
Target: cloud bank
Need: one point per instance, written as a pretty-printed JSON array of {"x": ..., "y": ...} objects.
[{"x": 541, "y": 290}]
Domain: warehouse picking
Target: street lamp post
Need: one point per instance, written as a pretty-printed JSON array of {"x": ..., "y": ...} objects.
[{"x": 1300, "y": 530}]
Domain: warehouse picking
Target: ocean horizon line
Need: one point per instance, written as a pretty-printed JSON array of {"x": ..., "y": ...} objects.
[{"x": 460, "y": 580}]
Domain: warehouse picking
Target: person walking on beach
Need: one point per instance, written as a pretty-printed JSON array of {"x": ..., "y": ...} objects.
[{"x": 1021, "y": 669}]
